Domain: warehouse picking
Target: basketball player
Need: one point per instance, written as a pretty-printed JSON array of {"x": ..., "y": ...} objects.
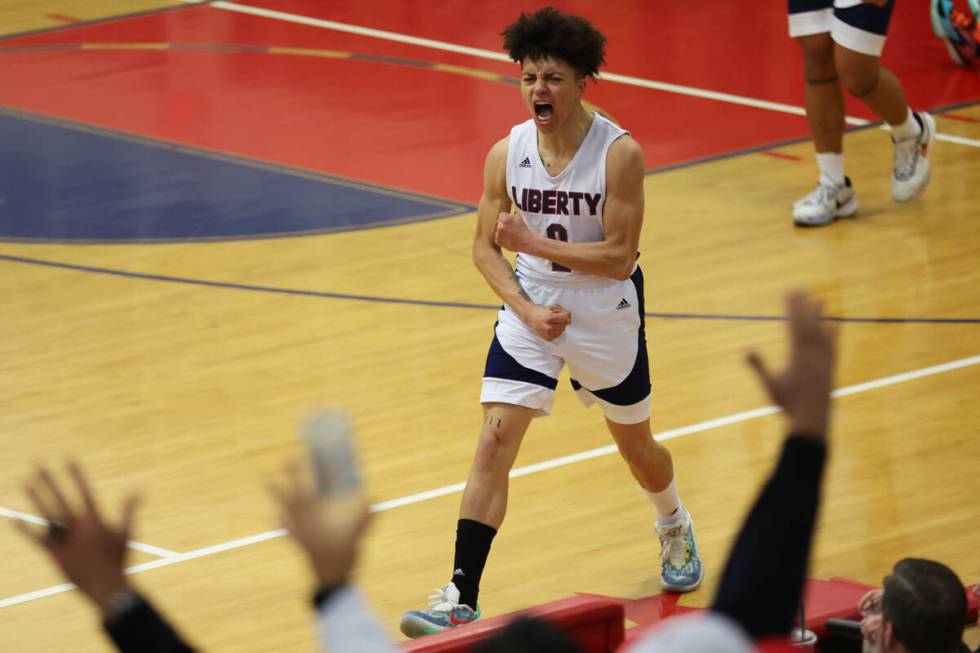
[
  {"x": 842, "y": 42},
  {"x": 565, "y": 191}
]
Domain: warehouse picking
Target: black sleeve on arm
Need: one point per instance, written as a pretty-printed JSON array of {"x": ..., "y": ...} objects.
[
  {"x": 763, "y": 579},
  {"x": 141, "y": 629}
]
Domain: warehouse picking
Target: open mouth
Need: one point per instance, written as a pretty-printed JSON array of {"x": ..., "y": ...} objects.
[{"x": 543, "y": 110}]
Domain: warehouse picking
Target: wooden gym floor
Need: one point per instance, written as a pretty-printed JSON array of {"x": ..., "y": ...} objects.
[{"x": 339, "y": 167}]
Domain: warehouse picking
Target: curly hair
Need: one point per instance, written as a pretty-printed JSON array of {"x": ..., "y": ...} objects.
[{"x": 550, "y": 33}]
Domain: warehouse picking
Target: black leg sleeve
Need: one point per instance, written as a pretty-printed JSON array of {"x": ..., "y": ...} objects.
[{"x": 763, "y": 579}]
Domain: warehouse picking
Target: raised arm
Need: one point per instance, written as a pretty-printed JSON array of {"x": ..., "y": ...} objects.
[
  {"x": 548, "y": 321},
  {"x": 91, "y": 553},
  {"x": 763, "y": 580},
  {"x": 622, "y": 220}
]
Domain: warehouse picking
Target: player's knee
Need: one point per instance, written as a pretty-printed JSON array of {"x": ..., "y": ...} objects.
[
  {"x": 859, "y": 73},
  {"x": 860, "y": 83},
  {"x": 633, "y": 449},
  {"x": 491, "y": 452},
  {"x": 818, "y": 58}
]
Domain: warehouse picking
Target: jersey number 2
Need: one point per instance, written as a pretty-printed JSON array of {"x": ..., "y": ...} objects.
[{"x": 556, "y": 231}]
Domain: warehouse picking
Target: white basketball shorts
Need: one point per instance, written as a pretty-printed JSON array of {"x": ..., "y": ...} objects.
[
  {"x": 853, "y": 24},
  {"x": 604, "y": 348}
]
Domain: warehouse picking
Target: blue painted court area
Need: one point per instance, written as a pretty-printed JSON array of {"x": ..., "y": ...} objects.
[{"x": 63, "y": 181}]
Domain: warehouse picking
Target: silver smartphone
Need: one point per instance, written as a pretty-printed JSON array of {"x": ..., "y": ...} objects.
[{"x": 329, "y": 438}]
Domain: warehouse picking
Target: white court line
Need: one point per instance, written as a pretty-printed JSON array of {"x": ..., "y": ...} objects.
[
  {"x": 355, "y": 29},
  {"x": 172, "y": 559},
  {"x": 516, "y": 473},
  {"x": 40, "y": 521},
  {"x": 959, "y": 140},
  {"x": 39, "y": 594},
  {"x": 500, "y": 56},
  {"x": 906, "y": 376}
]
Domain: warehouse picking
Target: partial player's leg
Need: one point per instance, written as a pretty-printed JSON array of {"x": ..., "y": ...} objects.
[
  {"x": 649, "y": 461},
  {"x": 651, "y": 465},
  {"x": 485, "y": 496},
  {"x": 810, "y": 22},
  {"x": 610, "y": 368},
  {"x": 859, "y": 35},
  {"x": 484, "y": 502},
  {"x": 866, "y": 79},
  {"x": 823, "y": 97},
  {"x": 519, "y": 383},
  {"x": 481, "y": 513}
]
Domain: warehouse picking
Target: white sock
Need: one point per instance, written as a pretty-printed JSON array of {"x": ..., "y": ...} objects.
[
  {"x": 831, "y": 168},
  {"x": 907, "y": 130},
  {"x": 667, "y": 503}
]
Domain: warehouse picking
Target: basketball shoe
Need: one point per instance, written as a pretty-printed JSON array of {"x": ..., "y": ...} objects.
[
  {"x": 445, "y": 611},
  {"x": 911, "y": 172},
  {"x": 825, "y": 204},
  {"x": 680, "y": 565}
]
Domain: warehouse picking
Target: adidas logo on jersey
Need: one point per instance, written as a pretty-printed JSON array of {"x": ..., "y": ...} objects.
[
  {"x": 526, "y": 163},
  {"x": 622, "y": 304}
]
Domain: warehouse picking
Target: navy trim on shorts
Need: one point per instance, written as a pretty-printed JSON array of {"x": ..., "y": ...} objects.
[
  {"x": 801, "y": 6},
  {"x": 636, "y": 386},
  {"x": 867, "y": 18},
  {"x": 501, "y": 365}
]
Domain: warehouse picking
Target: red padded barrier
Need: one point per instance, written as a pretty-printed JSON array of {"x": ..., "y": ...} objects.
[
  {"x": 596, "y": 623},
  {"x": 973, "y": 603}
]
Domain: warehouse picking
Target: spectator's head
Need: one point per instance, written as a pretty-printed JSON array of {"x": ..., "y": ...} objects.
[
  {"x": 923, "y": 608},
  {"x": 529, "y": 635}
]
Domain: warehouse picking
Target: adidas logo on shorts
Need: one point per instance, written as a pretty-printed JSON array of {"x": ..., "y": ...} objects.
[
  {"x": 622, "y": 304},
  {"x": 526, "y": 163}
]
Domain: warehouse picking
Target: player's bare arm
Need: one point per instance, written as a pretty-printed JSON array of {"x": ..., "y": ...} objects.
[
  {"x": 547, "y": 321},
  {"x": 613, "y": 257}
]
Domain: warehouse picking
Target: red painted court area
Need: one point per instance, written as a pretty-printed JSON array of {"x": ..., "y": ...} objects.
[{"x": 393, "y": 119}]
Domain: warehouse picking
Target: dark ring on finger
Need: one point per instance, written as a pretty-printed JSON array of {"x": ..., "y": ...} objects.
[{"x": 57, "y": 530}]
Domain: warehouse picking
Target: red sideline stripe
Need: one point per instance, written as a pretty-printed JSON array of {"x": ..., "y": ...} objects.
[
  {"x": 780, "y": 155},
  {"x": 955, "y": 116},
  {"x": 63, "y": 18}
]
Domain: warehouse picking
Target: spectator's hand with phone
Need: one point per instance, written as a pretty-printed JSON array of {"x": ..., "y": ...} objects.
[{"x": 331, "y": 544}]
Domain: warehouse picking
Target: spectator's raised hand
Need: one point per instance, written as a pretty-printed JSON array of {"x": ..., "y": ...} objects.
[
  {"x": 89, "y": 552},
  {"x": 802, "y": 389},
  {"x": 331, "y": 544},
  {"x": 871, "y": 629},
  {"x": 870, "y": 603}
]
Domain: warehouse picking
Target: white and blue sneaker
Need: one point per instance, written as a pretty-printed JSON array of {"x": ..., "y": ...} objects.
[
  {"x": 825, "y": 204},
  {"x": 445, "y": 612},
  {"x": 680, "y": 568},
  {"x": 911, "y": 173}
]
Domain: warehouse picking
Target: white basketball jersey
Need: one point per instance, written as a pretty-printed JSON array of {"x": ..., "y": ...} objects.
[{"x": 565, "y": 207}]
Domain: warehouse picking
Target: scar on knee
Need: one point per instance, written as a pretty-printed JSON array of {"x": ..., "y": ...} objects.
[{"x": 822, "y": 82}]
